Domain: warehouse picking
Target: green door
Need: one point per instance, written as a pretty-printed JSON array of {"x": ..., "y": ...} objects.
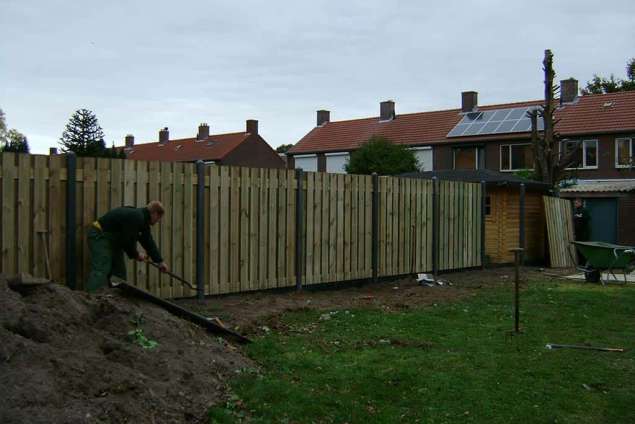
[{"x": 603, "y": 214}]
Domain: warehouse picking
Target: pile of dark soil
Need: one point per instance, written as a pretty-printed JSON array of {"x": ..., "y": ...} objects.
[{"x": 66, "y": 356}]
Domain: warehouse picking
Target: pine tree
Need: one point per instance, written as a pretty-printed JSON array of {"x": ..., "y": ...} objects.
[
  {"x": 83, "y": 135},
  {"x": 16, "y": 142}
]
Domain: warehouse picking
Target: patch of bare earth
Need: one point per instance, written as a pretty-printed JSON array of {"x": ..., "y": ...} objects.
[
  {"x": 248, "y": 312},
  {"x": 66, "y": 357}
]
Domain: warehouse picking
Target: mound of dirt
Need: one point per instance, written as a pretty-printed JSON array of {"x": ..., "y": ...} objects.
[{"x": 67, "y": 356}]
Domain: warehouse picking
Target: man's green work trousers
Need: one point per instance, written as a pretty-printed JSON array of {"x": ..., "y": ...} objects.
[{"x": 106, "y": 259}]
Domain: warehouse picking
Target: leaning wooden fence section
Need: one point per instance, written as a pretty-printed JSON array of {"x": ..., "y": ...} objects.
[
  {"x": 559, "y": 216},
  {"x": 255, "y": 228}
]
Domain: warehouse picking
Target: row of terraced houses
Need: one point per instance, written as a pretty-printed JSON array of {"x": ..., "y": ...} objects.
[{"x": 470, "y": 137}]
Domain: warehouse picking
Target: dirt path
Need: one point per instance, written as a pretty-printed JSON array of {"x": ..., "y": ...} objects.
[{"x": 248, "y": 312}]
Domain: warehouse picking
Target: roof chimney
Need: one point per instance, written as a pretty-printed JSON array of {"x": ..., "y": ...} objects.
[
  {"x": 469, "y": 101},
  {"x": 387, "y": 110},
  {"x": 52, "y": 151},
  {"x": 129, "y": 140},
  {"x": 252, "y": 126},
  {"x": 164, "y": 135},
  {"x": 323, "y": 116},
  {"x": 203, "y": 132},
  {"x": 568, "y": 90}
]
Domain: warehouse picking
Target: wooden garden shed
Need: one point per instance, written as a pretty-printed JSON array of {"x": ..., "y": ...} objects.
[{"x": 503, "y": 212}]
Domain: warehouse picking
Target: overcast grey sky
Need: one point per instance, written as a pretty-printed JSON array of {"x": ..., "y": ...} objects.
[{"x": 143, "y": 65}]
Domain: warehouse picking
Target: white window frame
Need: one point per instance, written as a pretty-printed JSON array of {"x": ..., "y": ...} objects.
[
  {"x": 476, "y": 158},
  {"x": 630, "y": 151},
  {"x": 335, "y": 154},
  {"x": 308, "y": 156},
  {"x": 500, "y": 158},
  {"x": 424, "y": 148},
  {"x": 584, "y": 144}
]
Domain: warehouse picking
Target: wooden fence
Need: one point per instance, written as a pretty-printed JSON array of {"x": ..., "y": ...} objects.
[
  {"x": 559, "y": 217},
  {"x": 249, "y": 222}
]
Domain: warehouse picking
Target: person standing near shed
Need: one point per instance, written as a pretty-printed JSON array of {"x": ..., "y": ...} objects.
[
  {"x": 116, "y": 232},
  {"x": 581, "y": 224},
  {"x": 581, "y": 221}
]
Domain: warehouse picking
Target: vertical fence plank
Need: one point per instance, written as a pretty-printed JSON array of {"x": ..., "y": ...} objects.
[
  {"x": 311, "y": 225},
  {"x": 57, "y": 201},
  {"x": 235, "y": 229},
  {"x": 24, "y": 212},
  {"x": 189, "y": 209},
  {"x": 291, "y": 227},
  {"x": 179, "y": 208},
  {"x": 166, "y": 225},
  {"x": 88, "y": 216},
  {"x": 224, "y": 228},
  {"x": 40, "y": 227},
  {"x": 244, "y": 229},
  {"x": 141, "y": 196},
  {"x": 9, "y": 227},
  {"x": 263, "y": 227},
  {"x": 154, "y": 193},
  {"x": 254, "y": 209}
]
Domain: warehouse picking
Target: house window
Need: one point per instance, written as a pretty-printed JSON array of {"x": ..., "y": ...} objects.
[
  {"x": 488, "y": 205},
  {"x": 586, "y": 157},
  {"x": 516, "y": 157},
  {"x": 468, "y": 158},
  {"x": 624, "y": 153}
]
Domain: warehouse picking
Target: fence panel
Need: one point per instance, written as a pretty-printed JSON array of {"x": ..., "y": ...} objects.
[
  {"x": 559, "y": 217},
  {"x": 460, "y": 225},
  {"x": 249, "y": 222}
]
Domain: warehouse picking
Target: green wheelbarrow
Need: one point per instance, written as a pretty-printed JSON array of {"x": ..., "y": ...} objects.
[{"x": 607, "y": 257}]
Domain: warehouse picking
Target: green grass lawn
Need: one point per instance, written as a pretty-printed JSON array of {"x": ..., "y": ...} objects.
[{"x": 449, "y": 363}]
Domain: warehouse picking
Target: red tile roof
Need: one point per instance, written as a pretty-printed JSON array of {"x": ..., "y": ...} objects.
[
  {"x": 586, "y": 115},
  {"x": 188, "y": 149},
  {"x": 602, "y": 113}
]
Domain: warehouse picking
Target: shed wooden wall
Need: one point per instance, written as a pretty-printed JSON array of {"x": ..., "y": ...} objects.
[{"x": 502, "y": 231}]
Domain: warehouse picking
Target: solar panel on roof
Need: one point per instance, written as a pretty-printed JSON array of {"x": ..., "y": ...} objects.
[{"x": 497, "y": 121}]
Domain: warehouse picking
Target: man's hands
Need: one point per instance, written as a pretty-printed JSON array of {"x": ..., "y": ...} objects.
[
  {"x": 142, "y": 257},
  {"x": 163, "y": 267}
]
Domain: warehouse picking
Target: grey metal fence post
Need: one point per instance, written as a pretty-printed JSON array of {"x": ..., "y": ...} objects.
[
  {"x": 483, "y": 211},
  {"x": 299, "y": 230},
  {"x": 200, "y": 236},
  {"x": 375, "y": 228},
  {"x": 71, "y": 220},
  {"x": 435, "y": 227}
]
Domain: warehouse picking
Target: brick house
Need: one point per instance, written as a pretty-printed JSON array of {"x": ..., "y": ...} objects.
[
  {"x": 497, "y": 137},
  {"x": 246, "y": 148}
]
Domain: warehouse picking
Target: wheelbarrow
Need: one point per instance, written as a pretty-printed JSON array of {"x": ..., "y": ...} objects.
[{"x": 607, "y": 257}]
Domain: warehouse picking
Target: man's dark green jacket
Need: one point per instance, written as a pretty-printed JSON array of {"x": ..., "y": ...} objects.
[{"x": 127, "y": 225}]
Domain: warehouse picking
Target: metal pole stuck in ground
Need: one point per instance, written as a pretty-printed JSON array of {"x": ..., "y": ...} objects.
[{"x": 518, "y": 251}]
